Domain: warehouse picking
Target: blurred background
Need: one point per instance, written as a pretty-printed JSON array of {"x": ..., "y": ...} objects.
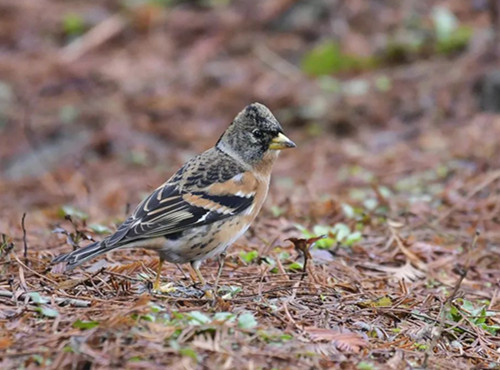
[
  {"x": 392, "y": 103},
  {"x": 394, "y": 106}
]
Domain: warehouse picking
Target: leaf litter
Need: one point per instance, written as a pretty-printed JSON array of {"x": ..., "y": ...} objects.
[{"x": 395, "y": 167}]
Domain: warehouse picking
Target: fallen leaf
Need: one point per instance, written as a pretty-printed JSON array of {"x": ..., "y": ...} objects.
[
  {"x": 5, "y": 342},
  {"x": 345, "y": 341}
]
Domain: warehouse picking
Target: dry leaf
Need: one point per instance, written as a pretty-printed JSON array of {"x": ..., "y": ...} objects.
[
  {"x": 407, "y": 271},
  {"x": 5, "y": 342},
  {"x": 345, "y": 341}
]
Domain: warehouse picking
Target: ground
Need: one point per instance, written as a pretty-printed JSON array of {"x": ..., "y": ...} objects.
[{"x": 393, "y": 109}]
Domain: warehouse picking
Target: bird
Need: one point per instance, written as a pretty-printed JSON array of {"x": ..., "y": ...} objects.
[{"x": 207, "y": 204}]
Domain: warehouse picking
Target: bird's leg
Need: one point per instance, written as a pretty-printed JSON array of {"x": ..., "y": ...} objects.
[
  {"x": 221, "y": 259},
  {"x": 195, "y": 265},
  {"x": 156, "y": 284}
]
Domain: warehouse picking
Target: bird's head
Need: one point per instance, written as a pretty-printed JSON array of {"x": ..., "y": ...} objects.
[{"x": 254, "y": 135}]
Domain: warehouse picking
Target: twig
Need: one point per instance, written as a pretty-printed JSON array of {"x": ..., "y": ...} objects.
[
  {"x": 278, "y": 63},
  {"x": 101, "y": 33},
  {"x": 25, "y": 243},
  {"x": 33, "y": 271},
  {"x": 462, "y": 274},
  {"x": 494, "y": 10},
  {"x": 74, "y": 284},
  {"x": 127, "y": 277},
  {"x": 408, "y": 253},
  {"x": 58, "y": 300}
]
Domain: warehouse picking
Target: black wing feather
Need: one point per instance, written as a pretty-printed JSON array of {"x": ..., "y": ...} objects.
[{"x": 165, "y": 212}]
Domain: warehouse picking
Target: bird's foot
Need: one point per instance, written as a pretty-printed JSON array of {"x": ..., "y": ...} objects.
[
  {"x": 165, "y": 288},
  {"x": 207, "y": 289},
  {"x": 209, "y": 294}
]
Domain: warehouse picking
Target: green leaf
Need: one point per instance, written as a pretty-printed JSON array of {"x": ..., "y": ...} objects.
[
  {"x": 198, "y": 318},
  {"x": 348, "y": 210},
  {"x": 327, "y": 58},
  {"x": 493, "y": 329},
  {"x": 138, "y": 157},
  {"x": 364, "y": 365},
  {"x": 248, "y": 257},
  {"x": 37, "y": 298},
  {"x": 296, "y": 266},
  {"x": 73, "y": 24},
  {"x": 286, "y": 337},
  {"x": 458, "y": 41},
  {"x": 68, "y": 113},
  {"x": 370, "y": 204},
  {"x": 47, "y": 311},
  {"x": 174, "y": 344},
  {"x": 73, "y": 212},
  {"x": 247, "y": 321},
  {"x": 99, "y": 229},
  {"x": 321, "y": 230},
  {"x": 148, "y": 317},
  {"x": 231, "y": 291},
  {"x": 454, "y": 314},
  {"x": 277, "y": 211},
  {"x": 383, "y": 302},
  {"x": 383, "y": 83},
  {"x": 189, "y": 352},
  {"x": 155, "y": 308},
  {"x": 178, "y": 315},
  {"x": 224, "y": 316},
  {"x": 467, "y": 306},
  {"x": 84, "y": 325},
  {"x": 353, "y": 238},
  {"x": 355, "y": 87},
  {"x": 445, "y": 22},
  {"x": 341, "y": 231},
  {"x": 330, "y": 84},
  {"x": 38, "y": 359},
  {"x": 283, "y": 256},
  {"x": 322, "y": 60},
  {"x": 269, "y": 261}
]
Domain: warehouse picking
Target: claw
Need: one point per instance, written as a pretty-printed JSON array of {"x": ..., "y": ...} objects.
[{"x": 165, "y": 288}]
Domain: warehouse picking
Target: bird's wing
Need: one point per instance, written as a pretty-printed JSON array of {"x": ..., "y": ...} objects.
[{"x": 170, "y": 209}]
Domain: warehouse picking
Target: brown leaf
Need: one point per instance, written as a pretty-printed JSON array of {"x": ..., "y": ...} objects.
[
  {"x": 344, "y": 341},
  {"x": 303, "y": 245},
  {"x": 5, "y": 342}
]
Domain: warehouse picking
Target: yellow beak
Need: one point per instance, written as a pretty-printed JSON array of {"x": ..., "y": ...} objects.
[{"x": 281, "y": 142}]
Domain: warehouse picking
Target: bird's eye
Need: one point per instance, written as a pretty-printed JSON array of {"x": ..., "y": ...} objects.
[{"x": 258, "y": 134}]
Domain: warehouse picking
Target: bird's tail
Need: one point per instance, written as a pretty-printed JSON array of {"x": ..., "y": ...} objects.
[{"x": 81, "y": 255}]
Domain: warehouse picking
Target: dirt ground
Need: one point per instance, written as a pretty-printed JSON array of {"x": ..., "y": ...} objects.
[{"x": 394, "y": 109}]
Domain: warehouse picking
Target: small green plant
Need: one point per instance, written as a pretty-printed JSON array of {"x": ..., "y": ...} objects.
[
  {"x": 273, "y": 336},
  {"x": 478, "y": 315},
  {"x": 339, "y": 233},
  {"x": 73, "y": 25},
  {"x": 249, "y": 257},
  {"x": 73, "y": 212},
  {"x": 327, "y": 58},
  {"x": 99, "y": 229},
  {"x": 85, "y": 325},
  {"x": 247, "y": 321}
]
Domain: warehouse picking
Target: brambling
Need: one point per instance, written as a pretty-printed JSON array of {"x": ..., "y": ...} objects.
[{"x": 207, "y": 204}]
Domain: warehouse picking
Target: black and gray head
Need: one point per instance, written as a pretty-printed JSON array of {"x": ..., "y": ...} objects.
[{"x": 253, "y": 133}]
